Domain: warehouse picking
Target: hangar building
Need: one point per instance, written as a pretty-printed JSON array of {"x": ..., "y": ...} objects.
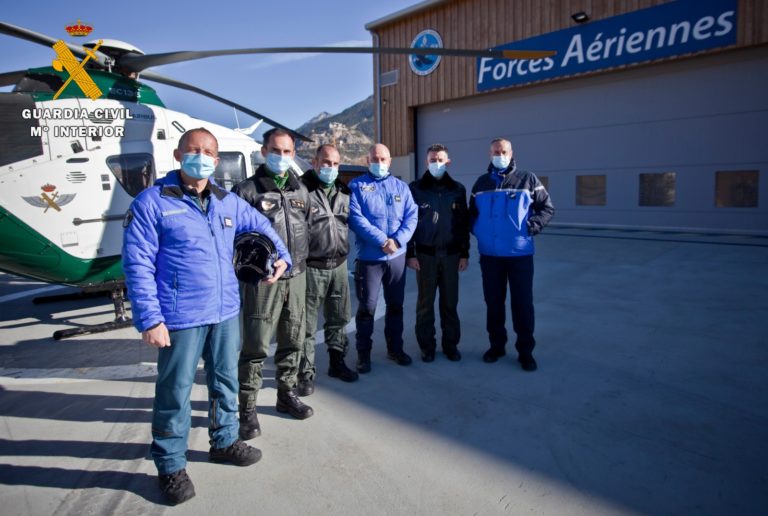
[{"x": 652, "y": 114}]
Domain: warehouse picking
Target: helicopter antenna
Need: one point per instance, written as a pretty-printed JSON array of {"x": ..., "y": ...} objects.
[{"x": 237, "y": 120}]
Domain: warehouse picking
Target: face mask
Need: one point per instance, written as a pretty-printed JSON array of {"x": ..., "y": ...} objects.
[
  {"x": 437, "y": 169},
  {"x": 199, "y": 166},
  {"x": 379, "y": 170},
  {"x": 501, "y": 162},
  {"x": 327, "y": 175},
  {"x": 278, "y": 164}
]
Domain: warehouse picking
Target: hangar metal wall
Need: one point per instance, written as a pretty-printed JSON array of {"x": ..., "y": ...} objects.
[{"x": 691, "y": 117}]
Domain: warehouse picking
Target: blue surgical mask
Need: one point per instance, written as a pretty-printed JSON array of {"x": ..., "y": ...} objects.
[
  {"x": 327, "y": 175},
  {"x": 501, "y": 162},
  {"x": 437, "y": 169},
  {"x": 199, "y": 166},
  {"x": 379, "y": 170},
  {"x": 278, "y": 164}
]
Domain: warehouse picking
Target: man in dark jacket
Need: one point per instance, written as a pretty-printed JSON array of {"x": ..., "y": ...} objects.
[
  {"x": 507, "y": 208},
  {"x": 277, "y": 192},
  {"x": 438, "y": 251},
  {"x": 177, "y": 258},
  {"x": 327, "y": 275}
]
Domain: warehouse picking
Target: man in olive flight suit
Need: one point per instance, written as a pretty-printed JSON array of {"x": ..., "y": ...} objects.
[
  {"x": 327, "y": 274},
  {"x": 277, "y": 192}
]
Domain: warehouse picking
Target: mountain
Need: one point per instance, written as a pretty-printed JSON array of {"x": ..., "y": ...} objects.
[{"x": 351, "y": 131}]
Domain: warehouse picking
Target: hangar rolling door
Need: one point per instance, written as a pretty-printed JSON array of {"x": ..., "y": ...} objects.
[{"x": 693, "y": 118}]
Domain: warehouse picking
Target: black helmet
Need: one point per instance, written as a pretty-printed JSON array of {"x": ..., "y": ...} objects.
[{"x": 255, "y": 256}]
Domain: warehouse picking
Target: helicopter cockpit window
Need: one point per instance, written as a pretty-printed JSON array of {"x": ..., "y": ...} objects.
[
  {"x": 231, "y": 169},
  {"x": 21, "y": 138},
  {"x": 135, "y": 172}
]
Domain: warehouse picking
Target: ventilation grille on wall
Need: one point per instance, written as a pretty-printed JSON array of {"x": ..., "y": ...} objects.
[{"x": 76, "y": 177}]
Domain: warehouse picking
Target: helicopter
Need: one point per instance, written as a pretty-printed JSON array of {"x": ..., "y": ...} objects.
[{"x": 72, "y": 161}]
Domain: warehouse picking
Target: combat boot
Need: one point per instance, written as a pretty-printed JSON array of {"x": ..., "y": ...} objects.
[
  {"x": 338, "y": 369},
  {"x": 288, "y": 401},
  {"x": 249, "y": 424}
]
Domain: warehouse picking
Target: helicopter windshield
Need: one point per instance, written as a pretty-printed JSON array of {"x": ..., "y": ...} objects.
[
  {"x": 231, "y": 169},
  {"x": 135, "y": 172}
]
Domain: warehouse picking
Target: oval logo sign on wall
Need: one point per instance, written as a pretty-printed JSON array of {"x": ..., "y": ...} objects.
[{"x": 424, "y": 64}]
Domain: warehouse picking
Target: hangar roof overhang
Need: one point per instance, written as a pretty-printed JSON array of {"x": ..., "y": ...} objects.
[{"x": 403, "y": 13}]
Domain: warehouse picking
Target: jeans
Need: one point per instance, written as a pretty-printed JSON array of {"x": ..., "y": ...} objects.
[
  {"x": 218, "y": 345},
  {"x": 369, "y": 277}
]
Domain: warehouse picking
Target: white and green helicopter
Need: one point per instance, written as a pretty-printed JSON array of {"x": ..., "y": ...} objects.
[{"x": 70, "y": 165}]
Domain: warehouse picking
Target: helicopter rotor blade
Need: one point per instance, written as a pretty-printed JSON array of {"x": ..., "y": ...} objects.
[
  {"x": 41, "y": 39},
  {"x": 178, "y": 84},
  {"x": 137, "y": 63},
  {"x": 11, "y": 78}
]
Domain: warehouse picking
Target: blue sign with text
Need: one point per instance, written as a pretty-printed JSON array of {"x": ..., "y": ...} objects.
[{"x": 679, "y": 27}]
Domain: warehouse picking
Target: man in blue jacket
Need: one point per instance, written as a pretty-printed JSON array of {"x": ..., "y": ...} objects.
[
  {"x": 507, "y": 208},
  {"x": 383, "y": 216},
  {"x": 177, "y": 257}
]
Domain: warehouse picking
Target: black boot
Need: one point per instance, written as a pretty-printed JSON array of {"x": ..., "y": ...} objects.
[
  {"x": 288, "y": 401},
  {"x": 338, "y": 369},
  {"x": 305, "y": 387},
  {"x": 363, "y": 361},
  {"x": 249, "y": 424}
]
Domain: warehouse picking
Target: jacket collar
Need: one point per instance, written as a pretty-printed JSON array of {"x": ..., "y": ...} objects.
[
  {"x": 170, "y": 186},
  {"x": 313, "y": 183},
  {"x": 428, "y": 181},
  {"x": 264, "y": 179}
]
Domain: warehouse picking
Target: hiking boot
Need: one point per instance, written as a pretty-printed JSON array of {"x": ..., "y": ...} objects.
[
  {"x": 249, "y": 425},
  {"x": 338, "y": 369},
  {"x": 237, "y": 453},
  {"x": 176, "y": 487},
  {"x": 288, "y": 401}
]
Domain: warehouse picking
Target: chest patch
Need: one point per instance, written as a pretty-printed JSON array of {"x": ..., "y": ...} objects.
[
  {"x": 267, "y": 205},
  {"x": 227, "y": 222},
  {"x": 298, "y": 204},
  {"x": 367, "y": 188},
  {"x": 397, "y": 198}
]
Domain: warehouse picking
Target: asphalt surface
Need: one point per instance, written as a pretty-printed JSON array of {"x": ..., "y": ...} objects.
[{"x": 651, "y": 398}]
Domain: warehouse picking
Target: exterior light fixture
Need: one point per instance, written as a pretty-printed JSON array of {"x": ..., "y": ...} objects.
[{"x": 580, "y": 17}]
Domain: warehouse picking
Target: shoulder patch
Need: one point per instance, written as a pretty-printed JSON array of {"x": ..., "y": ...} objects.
[{"x": 128, "y": 218}]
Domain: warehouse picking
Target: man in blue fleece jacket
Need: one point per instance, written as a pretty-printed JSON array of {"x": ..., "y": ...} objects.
[{"x": 177, "y": 258}]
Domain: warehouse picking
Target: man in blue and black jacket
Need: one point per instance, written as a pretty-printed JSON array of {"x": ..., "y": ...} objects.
[
  {"x": 507, "y": 208},
  {"x": 177, "y": 258}
]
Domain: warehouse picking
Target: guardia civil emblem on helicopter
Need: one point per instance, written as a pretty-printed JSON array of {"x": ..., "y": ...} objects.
[{"x": 81, "y": 138}]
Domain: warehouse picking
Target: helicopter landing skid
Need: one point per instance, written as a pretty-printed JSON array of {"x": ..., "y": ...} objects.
[{"x": 117, "y": 293}]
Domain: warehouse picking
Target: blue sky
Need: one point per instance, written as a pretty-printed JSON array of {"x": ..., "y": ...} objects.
[{"x": 288, "y": 88}]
